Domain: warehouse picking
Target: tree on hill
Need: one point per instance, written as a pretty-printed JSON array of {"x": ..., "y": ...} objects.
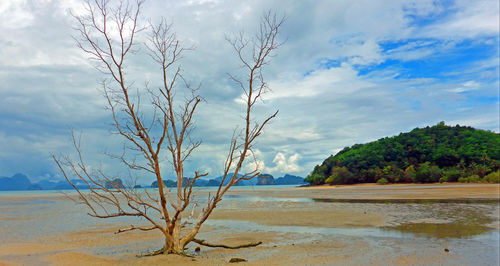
[
  {"x": 108, "y": 34},
  {"x": 431, "y": 154}
]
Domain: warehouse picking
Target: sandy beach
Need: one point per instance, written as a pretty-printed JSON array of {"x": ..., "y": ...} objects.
[{"x": 327, "y": 225}]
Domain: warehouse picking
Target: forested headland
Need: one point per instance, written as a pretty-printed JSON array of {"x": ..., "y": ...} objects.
[{"x": 439, "y": 153}]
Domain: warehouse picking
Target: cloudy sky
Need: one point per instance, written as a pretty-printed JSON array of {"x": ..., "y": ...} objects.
[{"x": 349, "y": 72}]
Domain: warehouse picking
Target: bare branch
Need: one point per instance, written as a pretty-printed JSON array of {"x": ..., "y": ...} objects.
[
  {"x": 132, "y": 227},
  {"x": 108, "y": 34}
]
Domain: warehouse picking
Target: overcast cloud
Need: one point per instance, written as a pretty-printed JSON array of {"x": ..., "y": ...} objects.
[{"x": 349, "y": 72}]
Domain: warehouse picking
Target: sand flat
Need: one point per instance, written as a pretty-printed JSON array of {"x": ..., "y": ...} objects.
[
  {"x": 393, "y": 191},
  {"x": 317, "y": 218},
  {"x": 294, "y": 230}
]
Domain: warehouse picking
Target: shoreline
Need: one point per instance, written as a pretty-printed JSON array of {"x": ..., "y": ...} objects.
[
  {"x": 372, "y": 191},
  {"x": 491, "y": 191},
  {"x": 397, "y": 185}
]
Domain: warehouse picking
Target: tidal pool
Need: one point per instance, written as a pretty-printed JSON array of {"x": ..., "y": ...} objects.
[{"x": 441, "y": 230}]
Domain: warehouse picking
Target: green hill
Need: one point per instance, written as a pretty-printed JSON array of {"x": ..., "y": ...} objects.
[{"x": 433, "y": 154}]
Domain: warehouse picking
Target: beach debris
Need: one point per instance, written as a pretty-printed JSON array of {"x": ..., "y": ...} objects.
[
  {"x": 204, "y": 243},
  {"x": 197, "y": 249},
  {"x": 446, "y": 250},
  {"x": 235, "y": 260}
]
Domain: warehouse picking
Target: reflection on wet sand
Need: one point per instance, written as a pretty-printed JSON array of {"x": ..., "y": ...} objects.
[{"x": 445, "y": 230}]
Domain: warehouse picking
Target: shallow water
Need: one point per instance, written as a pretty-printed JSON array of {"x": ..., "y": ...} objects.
[
  {"x": 442, "y": 230},
  {"x": 173, "y": 189},
  {"x": 458, "y": 218},
  {"x": 386, "y": 201},
  {"x": 412, "y": 201},
  {"x": 475, "y": 247}
]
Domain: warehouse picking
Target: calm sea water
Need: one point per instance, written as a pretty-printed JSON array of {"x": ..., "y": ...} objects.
[{"x": 208, "y": 189}]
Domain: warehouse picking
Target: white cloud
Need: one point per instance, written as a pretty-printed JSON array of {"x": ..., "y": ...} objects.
[
  {"x": 284, "y": 165},
  {"x": 472, "y": 19},
  {"x": 336, "y": 80},
  {"x": 467, "y": 86},
  {"x": 15, "y": 15},
  {"x": 413, "y": 51}
]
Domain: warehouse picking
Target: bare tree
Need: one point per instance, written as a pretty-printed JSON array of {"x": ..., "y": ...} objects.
[{"x": 108, "y": 35}]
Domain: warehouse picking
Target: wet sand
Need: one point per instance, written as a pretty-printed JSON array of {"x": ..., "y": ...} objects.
[
  {"x": 295, "y": 229},
  {"x": 394, "y": 191}
]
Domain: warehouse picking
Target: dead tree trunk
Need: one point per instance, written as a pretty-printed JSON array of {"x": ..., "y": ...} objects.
[{"x": 166, "y": 133}]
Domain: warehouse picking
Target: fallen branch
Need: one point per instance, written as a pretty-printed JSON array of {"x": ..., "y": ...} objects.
[
  {"x": 135, "y": 228},
  {"x": 204, "y": 243}
]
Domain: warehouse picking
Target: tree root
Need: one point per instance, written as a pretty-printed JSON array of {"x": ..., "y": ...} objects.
[
  {"x": 200, "y": 242},
  {"x": 204, "y": 243},
  {"x": 165, "y": 251},
  {"x": 154, "y": 253}
]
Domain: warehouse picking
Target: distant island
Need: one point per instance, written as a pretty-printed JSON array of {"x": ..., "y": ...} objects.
[
  {"x": 263, "y": 179},
  {"x": 439, "y": 153},
  {"x": 21, "y": 182}
]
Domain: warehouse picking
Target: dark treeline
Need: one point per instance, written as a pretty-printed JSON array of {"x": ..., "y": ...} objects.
[{"x": 433, "y": 154}]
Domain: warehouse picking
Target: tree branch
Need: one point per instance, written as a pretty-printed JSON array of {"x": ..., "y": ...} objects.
[{"x": 204, "y": 243}]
